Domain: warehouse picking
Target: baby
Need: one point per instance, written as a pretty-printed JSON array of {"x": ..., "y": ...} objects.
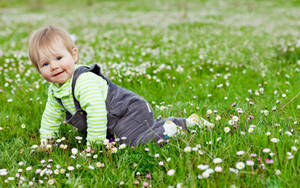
[{"x": 90, "y": 101}]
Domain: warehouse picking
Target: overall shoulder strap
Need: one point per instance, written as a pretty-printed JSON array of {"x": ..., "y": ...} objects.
[{"x": 77, "y": 73}]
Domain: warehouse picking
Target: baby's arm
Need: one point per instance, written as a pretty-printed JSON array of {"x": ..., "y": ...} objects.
[
  {"x": 51, "y": 118},
  {"x": 91, "y": 92}
]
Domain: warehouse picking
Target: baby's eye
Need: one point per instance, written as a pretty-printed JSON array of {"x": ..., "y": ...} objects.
[
  {"x": 45, "y": 64},
  {"x": 59, "y": 58}
]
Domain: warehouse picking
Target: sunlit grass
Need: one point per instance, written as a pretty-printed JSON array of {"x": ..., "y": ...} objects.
[{"x": 219, "y": 59}]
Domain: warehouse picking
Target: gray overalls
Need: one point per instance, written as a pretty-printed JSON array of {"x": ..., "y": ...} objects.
[{"x": 128, "y": 114}]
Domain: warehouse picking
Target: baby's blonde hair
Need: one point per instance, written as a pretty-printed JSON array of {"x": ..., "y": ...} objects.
[{"x": 45, "y": 39}]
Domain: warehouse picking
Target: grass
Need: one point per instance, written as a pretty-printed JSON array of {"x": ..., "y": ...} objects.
[{"x": 234, "y": 55}]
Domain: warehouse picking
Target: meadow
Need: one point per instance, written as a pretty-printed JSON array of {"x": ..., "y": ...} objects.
[{"x": 234, "y": 62}]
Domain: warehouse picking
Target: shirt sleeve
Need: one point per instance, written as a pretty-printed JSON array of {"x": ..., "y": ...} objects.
[
  {"x": 51, "y": 119},
  {"x": 91, "y": 92}
]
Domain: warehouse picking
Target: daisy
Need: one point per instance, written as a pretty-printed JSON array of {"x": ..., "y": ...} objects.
[
  {"x": 171, "y": 172},
  {"x": 240, "y": 165},
  {"x": 114, "y": 150},
  {"x": 218, "y": 169},
  {"x": 209, "y": 111},
  {"x": 70, "y": 168},
  {"x": 187, "y": 149},
  {"x": 266, "y": 150},
  {"x": 250, "y": 130},
  {"x": 205, "y": 174},
  {"x": 202, "y": 167},
  {"x": 50, "y": 182},
  {"x": 226, "y": 129},
  {"x": 217, "y": 160},
  {"x": 250, "y": 163},
  {"x": 230, "y": 122},
  {"x": 235, "y": 118},
  {"x": 240, "y": 153},
  {"x": 274, "y": 140},
  {"x": 122, "y": 146},
  {"x": 74, "y": 151}
]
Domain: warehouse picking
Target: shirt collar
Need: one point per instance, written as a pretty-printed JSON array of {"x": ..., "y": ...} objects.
[{"x": 60, "y": 91}]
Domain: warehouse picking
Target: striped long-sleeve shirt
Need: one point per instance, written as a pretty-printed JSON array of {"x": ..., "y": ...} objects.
[{"x": 91, "y": 92}]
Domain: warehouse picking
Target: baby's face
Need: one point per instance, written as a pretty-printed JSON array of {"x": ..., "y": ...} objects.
[{"x": 58, "y": 65}]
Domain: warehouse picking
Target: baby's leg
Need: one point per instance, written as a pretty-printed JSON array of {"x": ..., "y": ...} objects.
[{"x": 163, "y": 128}]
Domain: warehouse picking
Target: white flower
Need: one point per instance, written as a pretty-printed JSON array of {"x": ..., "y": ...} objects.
[
  {"x": 3, "y": 172},
  {"x": 234, "y": 170},
  {"x": 205, "y": 174},
  {"x": 250, "y": 163},
  {"x": 230, "y": 122},
  {"x": 240, "y": 153},
  {"x": 168, "y": 159},
  {"x": 266, "y": 150},
  {"x": 29, "y": 168},
  {"x": 122, "y": 146},
  {"x": 161, "y": 163},
  {"x": 235, "y": 118},
  {"x": 50, "y": 182},
  {"x": 226, "y": 129},
  {"x": 114, "y": 150},
  {"x": 171, "y": 172},
  {"x": 288, "y": 133},
  {"x": 277, "y": 172},
  {"x": 240, "y": 165},
  {"x": 170, "y": 128},
  {"x": 34, "y": 146},
  {"x": 209, "y": 111},
  {"x": 91, "y": 167},
  {"x": 187, "y": 149},
  {"x": 274, "y": 140},
  {"x": 294, "y": 148},
  {"x": 62, "y": 171},
  {"x": 250, "y": 130},
  {"x": 156, "y": 155},
  {"x": 95, "y": 156},
  {"x": 70, "y": 168},
  {"x": 56, "y": 171},
  {"x": 218, "y": 169},
  {"x": 218, "y": 118},
  {"x": 106, "y": 141},
  {"x": 268, "y": 133},
  {"x": 217, "y": 160},
  {"x": 74, "y": 151},
  {"x": 202, "y": 167}
]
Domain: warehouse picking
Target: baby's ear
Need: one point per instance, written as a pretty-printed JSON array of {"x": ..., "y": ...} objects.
[{"x": 75, "y": 54}]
